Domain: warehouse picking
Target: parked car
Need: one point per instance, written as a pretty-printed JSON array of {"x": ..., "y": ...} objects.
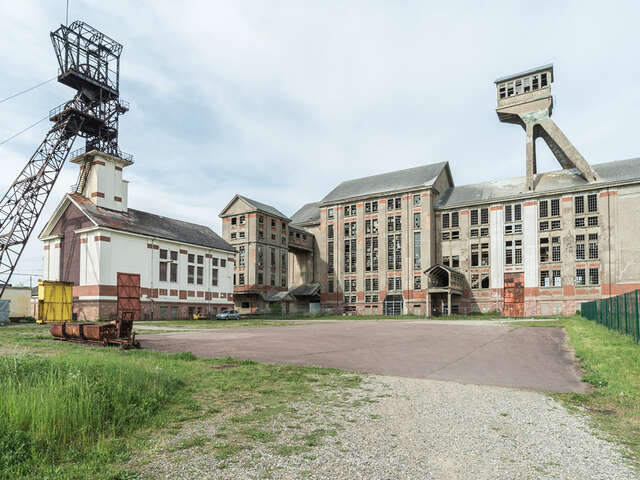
[{"x": 228, "y": 315}]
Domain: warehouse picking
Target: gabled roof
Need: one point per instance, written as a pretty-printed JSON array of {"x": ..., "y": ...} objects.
[
  {"x": 308, "y": 213},
  {"x": 258, "y": 206},
  {"x": 423, "y": 176},
  {"x": 144, "y": 223},
  {"x": 621, "y": 170}
]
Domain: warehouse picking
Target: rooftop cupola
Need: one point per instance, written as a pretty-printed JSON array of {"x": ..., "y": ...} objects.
[{"x": 525, "y": 99}]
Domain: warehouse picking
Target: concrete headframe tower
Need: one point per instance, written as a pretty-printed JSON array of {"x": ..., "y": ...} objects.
[{"x": 525, "y": 99}]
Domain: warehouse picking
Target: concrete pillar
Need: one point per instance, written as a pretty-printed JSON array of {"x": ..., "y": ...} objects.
[
  {"x": 530, "y": 245},
  {"x": 449, "y": 302},
  {"x": 531, "y": 156}
]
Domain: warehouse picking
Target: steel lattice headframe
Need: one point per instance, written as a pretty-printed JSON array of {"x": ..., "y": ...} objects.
[{"x": 89, "y": 62}]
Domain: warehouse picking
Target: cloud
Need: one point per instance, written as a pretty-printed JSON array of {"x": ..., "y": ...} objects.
[{"x": 282, "y": 101}]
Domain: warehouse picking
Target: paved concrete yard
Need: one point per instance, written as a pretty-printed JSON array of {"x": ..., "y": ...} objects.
[{"x": 502, "y": 355}]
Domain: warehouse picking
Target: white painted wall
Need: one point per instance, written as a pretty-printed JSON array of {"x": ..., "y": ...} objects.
[
  {"x": 51, "y": 260},
  {"x": 127, "y": 253},
  {"x": 496, "y": 279},
  {"x": 530, "y": 244}
]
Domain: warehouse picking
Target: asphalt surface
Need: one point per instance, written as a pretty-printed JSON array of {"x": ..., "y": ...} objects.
[{"x": 533, "y": 358}]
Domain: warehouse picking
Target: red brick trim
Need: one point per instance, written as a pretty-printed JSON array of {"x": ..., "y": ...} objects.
[
  {"x": 118, "y": 169},
  {"x": 162, "y": 291},
  {"x": 530, "y": 203},
  {"x": 183, "y": 294},
  {"x": 496, "y": 207},
  {"x": 101, "y": 238},
  {"x": 56, "y": 245},
  {"x": 46, "y": 247},
  {"x": 83, "y": 240},
  {"x": 97, "y": 194},
  {"x": 608, "y": 194},
  {"x": 173, "y": 293},
  {"x": 98, "y": 162},
  {"x": 95, "y": 291},
  {"x": 117, "y": 199},
  {"x": 183, "y": 252}
]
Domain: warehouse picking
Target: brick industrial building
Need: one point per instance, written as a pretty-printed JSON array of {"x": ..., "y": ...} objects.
[{"x": 411, "y": 241}]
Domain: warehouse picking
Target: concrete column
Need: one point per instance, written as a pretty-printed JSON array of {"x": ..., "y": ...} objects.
[
  {"x": 449, "y": 303},
  {"x": 531, "y": 156}
]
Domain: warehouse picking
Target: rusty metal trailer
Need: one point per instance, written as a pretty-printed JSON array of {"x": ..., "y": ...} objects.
[{"x": 117, "y": 333}]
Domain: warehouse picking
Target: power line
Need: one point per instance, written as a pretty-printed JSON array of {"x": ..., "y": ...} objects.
[
  {"x": 27, "y": 90},
  {"x": 23, "y": 130}
]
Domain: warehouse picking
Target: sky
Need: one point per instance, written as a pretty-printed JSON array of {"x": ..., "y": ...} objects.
[{"x": 282, "y": 100}]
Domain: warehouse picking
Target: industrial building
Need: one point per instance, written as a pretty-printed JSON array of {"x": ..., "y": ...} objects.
[
  {"x": 94, "y": 240},
  {"x": 411, "y": 241}
]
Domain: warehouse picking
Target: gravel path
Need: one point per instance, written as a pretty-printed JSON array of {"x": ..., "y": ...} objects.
[{"x": 424, "y": 429}]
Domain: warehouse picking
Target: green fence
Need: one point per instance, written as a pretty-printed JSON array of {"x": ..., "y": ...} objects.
[{"x": 621, "y": 313}]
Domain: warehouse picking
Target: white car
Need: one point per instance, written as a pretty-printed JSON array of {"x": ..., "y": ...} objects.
[{"x": 228, "y": 315}]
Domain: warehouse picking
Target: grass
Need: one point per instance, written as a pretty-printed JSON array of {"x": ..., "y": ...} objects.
[
  {"x": 71, "y": 411},
  {"x": 611, "y": 364}
]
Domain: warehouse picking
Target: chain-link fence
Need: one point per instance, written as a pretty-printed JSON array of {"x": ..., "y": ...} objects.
[{"x": 621, "y": 313}]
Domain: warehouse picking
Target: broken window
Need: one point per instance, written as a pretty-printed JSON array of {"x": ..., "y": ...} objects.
[
  {"x": 330, "y": 231},
  {"x": 260, "y": 278},
  {"x": 543, "y": 80},
  {"x": 556, "y": 278},
  {"x": 367, "y": 207},
  {"x": 398, "y": 283},
  {"x": 455, "y": 220},
  {"x": 416, "y": 220},
  {"x": 455, "y": 261},
  {"x": 503, "y": 91},
  {"x": 455, "y": 235},
  {"x": 416, "y": 200},
  {"x": 534, "y": 82},
  {"x": 416, "y": 250},
  {"x": 260, "y": 256},
  {"x": 593, "y": 246},
  {"x": 330, "y": 286},
  {"x": 390, "y": 204},
  {"x": 374, "y": 206},
  {"x": 390, "y": 224},
  {"x": 473, "y": 233},
  {"x": 417, "y": 280},
  {"x": 241, "y": 279},
  {"x": 518, "y": 87},
  {"x": 526, "y": 84},
  {"x": 398, "y": 202},
  {"x": 243, "y": 220},
  {"x": 241, "y": 252},
  {"x": 398, "y": 223},
  {"x": 484, "y": 282},
  {"x": 330, "y": 212},
  {"x": 273, "y": 257},
  {"x": 484, "y": 255},
  {"x": 518, "y": 252},
  {"x": 484, "y": 232},
  {"x": 580, "y": 277},
  {"x": 555, "y": 224},
  {"x": 475, "y": 255},
  {"x": 544, "y": 226},
  {"x": 594, "y": 276},
  {"x": 390, "y": 284},
  {"x": 475, "y": 281},
  {"x": 544, "y": 250},
  {"x": 545, "y": 281},
  {"x": 445, "y": 261}
]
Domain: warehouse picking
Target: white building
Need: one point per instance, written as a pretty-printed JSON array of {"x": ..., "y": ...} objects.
[{"x": 94, "y": 240}]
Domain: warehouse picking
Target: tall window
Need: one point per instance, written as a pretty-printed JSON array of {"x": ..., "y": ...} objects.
[
  {"x": 214, "y": 277},
  {"x": 260, "y": 256},
  {"x": 200, "y": 275},
  {"x": 163, "y": 265},
  {"x": 191, "y": 269},
  {"x": 416, "y": 220},
  {"x": 241, "y": 256},
  {"x": 330, "y": 260},
  {"x": 416, "y": 250}
]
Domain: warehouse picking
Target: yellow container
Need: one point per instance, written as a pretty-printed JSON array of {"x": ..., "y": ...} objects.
[{"x": 55, "y": 301}]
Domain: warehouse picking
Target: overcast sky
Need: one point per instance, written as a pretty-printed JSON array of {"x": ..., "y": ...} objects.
[{"x": 281, "y": 101}]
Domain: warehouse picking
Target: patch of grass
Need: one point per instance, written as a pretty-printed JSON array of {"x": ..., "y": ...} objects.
[
  {"x": 71, "y": 411},
  {"x": 186, "y": 443},
  {"x": 611, "y": 363},
  {"x": 288, "y": 450}
]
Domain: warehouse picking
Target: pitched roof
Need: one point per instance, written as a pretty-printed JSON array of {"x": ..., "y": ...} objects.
[
  {"x": 387, "y": 182},
  {"x": 609, "y": 172},
  {"x": 263, "y": 207},
  {"x": 306, "y": 290},
  {"x": 149, "y": 224},
  {"x": 307, "y": 213}
]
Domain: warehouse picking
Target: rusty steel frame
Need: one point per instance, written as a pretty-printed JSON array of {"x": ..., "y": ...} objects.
[{"x": 89, "y": 62}]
